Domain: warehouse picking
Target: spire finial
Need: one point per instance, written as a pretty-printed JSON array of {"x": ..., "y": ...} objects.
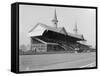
[
  {"x": 75, "y": 29},
  {"x": 55, "y": 15},
  {"x": 55, "y": 21}
]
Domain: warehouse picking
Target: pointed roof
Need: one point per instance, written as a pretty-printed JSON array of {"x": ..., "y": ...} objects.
[
  {"x": 55, "y": 17},
  {"x": 75, "y": 29},
  {"x": 63, "y": 30},
  {"x": 59, "y": 29},
  {"x": 55, "y": 20}
]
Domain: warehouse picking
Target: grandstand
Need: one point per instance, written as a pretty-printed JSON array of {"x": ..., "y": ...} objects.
[{"x": 55, "y": 39}]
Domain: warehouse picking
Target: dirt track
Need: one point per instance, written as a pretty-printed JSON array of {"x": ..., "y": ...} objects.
[{"x": 55, "y": 61}]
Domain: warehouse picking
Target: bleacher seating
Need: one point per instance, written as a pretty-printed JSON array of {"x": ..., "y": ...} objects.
[{"x": 66, "y": 45}]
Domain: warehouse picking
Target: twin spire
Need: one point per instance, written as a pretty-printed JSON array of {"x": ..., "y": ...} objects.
[
  {"x": 55, "y": 23},
  {"x": 55, "y": 20},
  {"x": 75, "y": 29}
]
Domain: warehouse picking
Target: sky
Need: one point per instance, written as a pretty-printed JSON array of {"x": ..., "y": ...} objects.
[{"x": 30, "y": 15}]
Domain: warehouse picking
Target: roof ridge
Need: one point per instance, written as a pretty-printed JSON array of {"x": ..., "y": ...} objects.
[{"x": 58, "y": 30}]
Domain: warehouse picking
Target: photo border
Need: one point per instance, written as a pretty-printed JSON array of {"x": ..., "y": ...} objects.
[{"x": 15, "y": 36}]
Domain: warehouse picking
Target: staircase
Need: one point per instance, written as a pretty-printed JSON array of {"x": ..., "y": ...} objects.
[{"x": 66, "y": 47}]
